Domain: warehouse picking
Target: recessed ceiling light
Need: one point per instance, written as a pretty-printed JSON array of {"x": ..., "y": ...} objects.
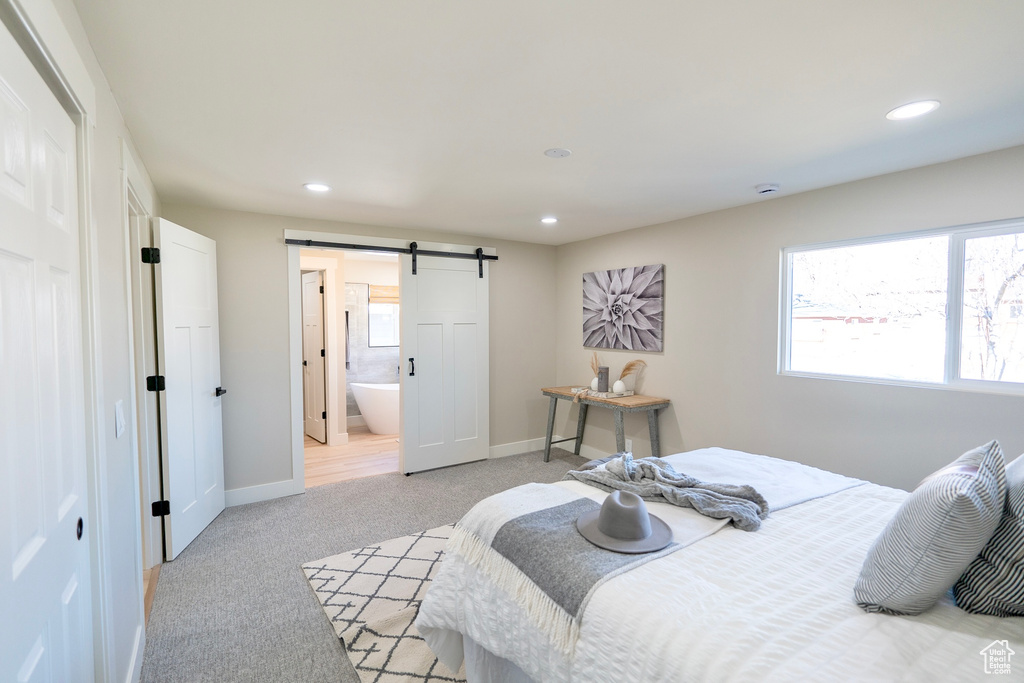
[
  {"x": 549, "y": 220},
  {"x": 557, "y": 153},
  {"x": 317, "y": 187},
  {"x": 909, "y": 111},
  {"x": 766, "y": 188}
]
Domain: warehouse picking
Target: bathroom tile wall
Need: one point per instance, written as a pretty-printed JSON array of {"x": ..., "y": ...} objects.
[{"x": 372, "y": 365}]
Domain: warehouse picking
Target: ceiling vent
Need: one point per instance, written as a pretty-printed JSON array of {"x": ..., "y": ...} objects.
[{"x": 767, "y": 188}]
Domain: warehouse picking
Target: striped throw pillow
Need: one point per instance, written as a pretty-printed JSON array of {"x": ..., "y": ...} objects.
[
  {"x": 994, "y": 581},
  {"x": 934, "y": 535}
]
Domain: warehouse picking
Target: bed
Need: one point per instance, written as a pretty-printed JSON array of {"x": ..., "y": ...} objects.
[{"x": 775, "y": 604}]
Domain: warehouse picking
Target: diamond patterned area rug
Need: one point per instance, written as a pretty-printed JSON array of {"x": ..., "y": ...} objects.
[{"x": 372, "y": 596}]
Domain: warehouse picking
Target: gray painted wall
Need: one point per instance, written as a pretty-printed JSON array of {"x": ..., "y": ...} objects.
[
  {"x": 253, "y": 288},
  {"x": 720, "y": 375},
  {"x": 720, "y": 371}
]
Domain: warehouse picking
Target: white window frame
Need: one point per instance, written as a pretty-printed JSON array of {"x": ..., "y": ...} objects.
[{"x": 958, "y": 235}]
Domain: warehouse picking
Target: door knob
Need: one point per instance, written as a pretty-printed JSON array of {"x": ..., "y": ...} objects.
[{"x": 221, "y": 391}]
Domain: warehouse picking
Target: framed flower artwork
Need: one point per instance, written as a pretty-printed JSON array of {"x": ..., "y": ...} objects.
[{"x": 624, "y": 308}]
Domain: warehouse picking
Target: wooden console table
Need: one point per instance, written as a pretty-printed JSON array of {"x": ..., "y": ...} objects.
[{"x": 619, "y": 406}]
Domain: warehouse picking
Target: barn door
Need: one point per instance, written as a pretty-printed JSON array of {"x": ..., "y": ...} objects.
[{"x": 445, "y": 378}]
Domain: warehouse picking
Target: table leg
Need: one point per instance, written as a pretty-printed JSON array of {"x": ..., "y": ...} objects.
[
  {"x": 551, "y": 428},
  {"x": 652, "y": 422},
  {"x": 580, "y": 424},
  {"x": 620, "y": 432}
]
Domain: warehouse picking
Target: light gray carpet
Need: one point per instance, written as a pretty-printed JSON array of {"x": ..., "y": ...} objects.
[{"x": 235, "y": 605}]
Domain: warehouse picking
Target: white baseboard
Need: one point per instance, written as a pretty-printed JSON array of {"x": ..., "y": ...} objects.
[
  {"x": 279, "y": 489},
  {"x": 517, "y": 447},
  {"x": 356, "y": 421},
  {"x": 337, "y": 439},
  {"x": 504, "y": 450},
  {"x": 254, "y": 494}
]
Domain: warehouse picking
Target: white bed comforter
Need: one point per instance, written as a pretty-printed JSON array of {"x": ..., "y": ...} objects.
[{"x": 771, "y": 605}]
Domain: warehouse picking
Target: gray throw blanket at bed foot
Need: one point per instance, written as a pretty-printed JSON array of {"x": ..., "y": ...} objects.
[
  {"x": 655, "y": 480},
  {"x": 524, "y": 542}
]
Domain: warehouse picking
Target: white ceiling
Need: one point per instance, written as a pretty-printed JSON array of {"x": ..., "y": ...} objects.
[{"x": 435, "y": 113}]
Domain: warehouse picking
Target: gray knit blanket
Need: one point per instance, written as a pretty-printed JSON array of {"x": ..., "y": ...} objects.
[
  {"x": 655, "y": 479},
  {"x": 524, "y": 542}
]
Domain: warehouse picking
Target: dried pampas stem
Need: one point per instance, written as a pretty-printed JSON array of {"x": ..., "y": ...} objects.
[
  {"x": 633, "y": 366},
  {"x": 594, "y": 363}
]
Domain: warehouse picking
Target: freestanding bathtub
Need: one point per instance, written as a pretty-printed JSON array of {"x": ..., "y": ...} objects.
[{"x": 378, "y": 404}]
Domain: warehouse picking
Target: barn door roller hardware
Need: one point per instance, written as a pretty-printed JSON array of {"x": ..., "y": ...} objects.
[{"x": 479, "y": 256}]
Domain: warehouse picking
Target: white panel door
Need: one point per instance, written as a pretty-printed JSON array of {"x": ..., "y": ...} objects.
[
  {"x": 45, "y": 621},
  {"x": 445, "y": 378},
  {"x": 313, "y": 396},
  {"x": 188, "y": 342}
]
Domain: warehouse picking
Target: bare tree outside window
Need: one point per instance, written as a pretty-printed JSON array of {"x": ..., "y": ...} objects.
[{"x": 992, "y": 338}]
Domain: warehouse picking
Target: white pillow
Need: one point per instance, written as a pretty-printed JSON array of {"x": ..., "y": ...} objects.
[
  {"x": 934, "y": 535},
  {"x": 994, "y": 581}
]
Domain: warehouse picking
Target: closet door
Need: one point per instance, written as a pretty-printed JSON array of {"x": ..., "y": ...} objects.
[{"x": 46, "y": 615}]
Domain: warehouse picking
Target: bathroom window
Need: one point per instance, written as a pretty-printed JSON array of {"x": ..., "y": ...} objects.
[{"x": 383, "y": 316}]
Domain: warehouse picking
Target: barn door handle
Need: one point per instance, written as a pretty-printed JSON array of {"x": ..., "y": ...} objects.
[
  {"x": 412, "y": 367},
  {"x": 221, "y": 391}
]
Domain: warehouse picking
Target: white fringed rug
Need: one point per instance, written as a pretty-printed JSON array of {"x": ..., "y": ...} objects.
[{"x": 372, "y": 596}]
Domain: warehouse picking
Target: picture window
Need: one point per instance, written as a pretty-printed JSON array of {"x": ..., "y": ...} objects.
[{"x": 939, "y": 308}]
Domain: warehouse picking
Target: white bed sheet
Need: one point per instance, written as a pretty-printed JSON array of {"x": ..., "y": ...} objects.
[{"x": 772, "y": 605}]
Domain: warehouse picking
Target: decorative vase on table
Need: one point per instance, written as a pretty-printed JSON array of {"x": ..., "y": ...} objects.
[
  {"x": 619, "y": 387},
  {"x": 602, "y": 378}
]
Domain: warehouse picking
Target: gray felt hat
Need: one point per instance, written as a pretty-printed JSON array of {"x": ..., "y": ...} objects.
[{"x": 623, "y": 525}]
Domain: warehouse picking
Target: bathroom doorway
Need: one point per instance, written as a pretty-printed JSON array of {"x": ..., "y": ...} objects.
[{"x": 361, "y": 358}]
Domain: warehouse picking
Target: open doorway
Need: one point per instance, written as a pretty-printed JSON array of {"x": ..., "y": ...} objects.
[
  {"x": 360, "y": 360},
  {"x": 444, "y": 380}
]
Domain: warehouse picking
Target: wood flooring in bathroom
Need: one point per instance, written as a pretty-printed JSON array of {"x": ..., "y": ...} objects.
[{"x": 365, "y": 455}]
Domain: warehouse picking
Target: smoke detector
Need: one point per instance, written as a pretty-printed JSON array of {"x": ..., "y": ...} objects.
[
  {"x": 766, "y": 188},
  {"x": 557, "y": 153}
]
